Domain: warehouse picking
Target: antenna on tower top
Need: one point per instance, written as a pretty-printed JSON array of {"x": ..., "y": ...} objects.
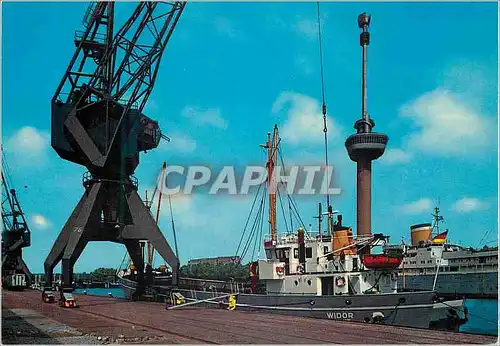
[{"x": 364, "y": 40}]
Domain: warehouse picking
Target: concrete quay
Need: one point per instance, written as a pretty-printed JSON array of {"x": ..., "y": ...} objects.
[{"x": 109, "y": 320}]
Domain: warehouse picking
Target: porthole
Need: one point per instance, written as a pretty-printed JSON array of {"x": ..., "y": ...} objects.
[
  {"x": 296, "y": 283},
  {"x": 348, "y": 302},
  {"x": 309, "y": 282}
]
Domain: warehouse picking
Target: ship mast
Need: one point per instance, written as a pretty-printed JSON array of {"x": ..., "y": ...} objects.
[
  {"x": 272, "y": 153},
  {"x": 436, "y": 218}
]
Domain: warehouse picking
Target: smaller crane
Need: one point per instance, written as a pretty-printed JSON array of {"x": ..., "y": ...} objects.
[{"x": 16, "y": 235}]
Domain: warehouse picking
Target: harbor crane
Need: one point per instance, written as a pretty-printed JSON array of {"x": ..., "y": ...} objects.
[
  {"x": 16, "y": 235},
  {"x": 98, "y": 122}
]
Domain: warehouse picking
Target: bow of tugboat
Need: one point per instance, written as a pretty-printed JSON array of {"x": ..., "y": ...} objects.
[{"x": 449, "y": 315}]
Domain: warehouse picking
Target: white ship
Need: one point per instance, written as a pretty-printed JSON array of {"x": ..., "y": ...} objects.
[{"x": 431, "y": 263}]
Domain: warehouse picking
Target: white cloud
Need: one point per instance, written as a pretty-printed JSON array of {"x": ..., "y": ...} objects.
[
  {"x": 468, "y": 204},
  {"x": 224, "y": 26},
  {"x": 29, "y": 146},
  {"x": 308, "y": 27},
  {"x": 471, "y": 78},
  {"x": 447, "y": 124},
  {"x": 416, "y": 207},
  {"x": 180, "y": 142},
  {"x": 40, "y": 221},
  {"x": 393, "y": 156},
  {"x": 304, "y": 123},
  {"x": 183, "y": 208},
  {"x": 304, "y": 64},
  {"x": 210, "y": 116},
  {"x": 151, "y": 106}
]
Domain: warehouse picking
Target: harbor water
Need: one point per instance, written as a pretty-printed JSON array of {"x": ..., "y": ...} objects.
[{"x": 483, "y": 313}]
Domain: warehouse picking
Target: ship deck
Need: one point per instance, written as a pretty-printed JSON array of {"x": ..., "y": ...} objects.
[{"x": 119, "y": 321}]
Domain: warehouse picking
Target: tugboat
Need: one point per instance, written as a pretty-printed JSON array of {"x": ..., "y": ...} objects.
[
  {"x": 326, "y": 277},
  {"x": 333, "y": 276}
]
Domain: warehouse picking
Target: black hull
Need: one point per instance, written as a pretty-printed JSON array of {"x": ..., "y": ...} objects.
[{"x": 416, "y": 309}]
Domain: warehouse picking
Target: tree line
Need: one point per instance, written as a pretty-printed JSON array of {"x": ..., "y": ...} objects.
[
  {"x": 212, "y": 271},
  {"x": 216, "y": 271}
]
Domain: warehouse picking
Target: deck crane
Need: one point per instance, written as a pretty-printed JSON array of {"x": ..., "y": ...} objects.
[
  {"x": 16, "y": 235},
  {"x": 98, "y": 122}
]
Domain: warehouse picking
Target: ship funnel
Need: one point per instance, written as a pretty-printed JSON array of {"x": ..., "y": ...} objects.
[{"x": 420, "y": 232}]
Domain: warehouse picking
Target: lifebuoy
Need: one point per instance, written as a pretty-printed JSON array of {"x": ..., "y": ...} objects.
[
  {"x": 280, "y": 270},
  {"x": 340, "y": 281},
  {"x": 299, "y": 269}
]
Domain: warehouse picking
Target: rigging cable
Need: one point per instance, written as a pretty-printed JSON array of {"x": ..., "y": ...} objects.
[
  {"x": 257, "y": 242},
  {"x": 173, "y": 224},
  {"x": 325, "y": 129},
  {"x": 282, "y": 209},
  {"x": 246, "y": 223},
  {"x": 280, "y": 152},
  {"x": 291, "y": 203},
  {"x": 260, "y": 215}
]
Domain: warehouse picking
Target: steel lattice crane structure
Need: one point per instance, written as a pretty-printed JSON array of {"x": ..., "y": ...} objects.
[
  {"x": 98, "y": 122},
  {"x": 16, "y": 235}
]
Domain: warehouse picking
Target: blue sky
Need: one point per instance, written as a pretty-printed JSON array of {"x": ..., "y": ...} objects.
[{"x": 233, "y": 70}]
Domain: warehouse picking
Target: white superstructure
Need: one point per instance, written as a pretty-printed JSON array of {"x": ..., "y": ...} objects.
[{"x": 327, "y": 267}]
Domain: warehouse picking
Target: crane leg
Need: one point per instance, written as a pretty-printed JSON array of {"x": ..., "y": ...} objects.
[
  {"x": 147, "y": 229},
  {"x": 76, "y": 245},
  {"x": 72, "y": 239},
  {"x": 24, "y": 268},
  {"x": 57, "y": 251},
  {"x": 89, "y": 215}
]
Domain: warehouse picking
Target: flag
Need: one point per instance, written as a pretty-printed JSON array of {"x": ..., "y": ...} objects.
[{"x": 440, "y": 238}]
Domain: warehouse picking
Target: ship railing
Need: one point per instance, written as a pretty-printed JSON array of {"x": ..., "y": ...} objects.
[{"x": 290, "y": 238}]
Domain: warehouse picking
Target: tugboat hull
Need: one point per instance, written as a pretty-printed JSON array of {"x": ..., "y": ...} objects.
[{"x": 415, "y": 310}]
